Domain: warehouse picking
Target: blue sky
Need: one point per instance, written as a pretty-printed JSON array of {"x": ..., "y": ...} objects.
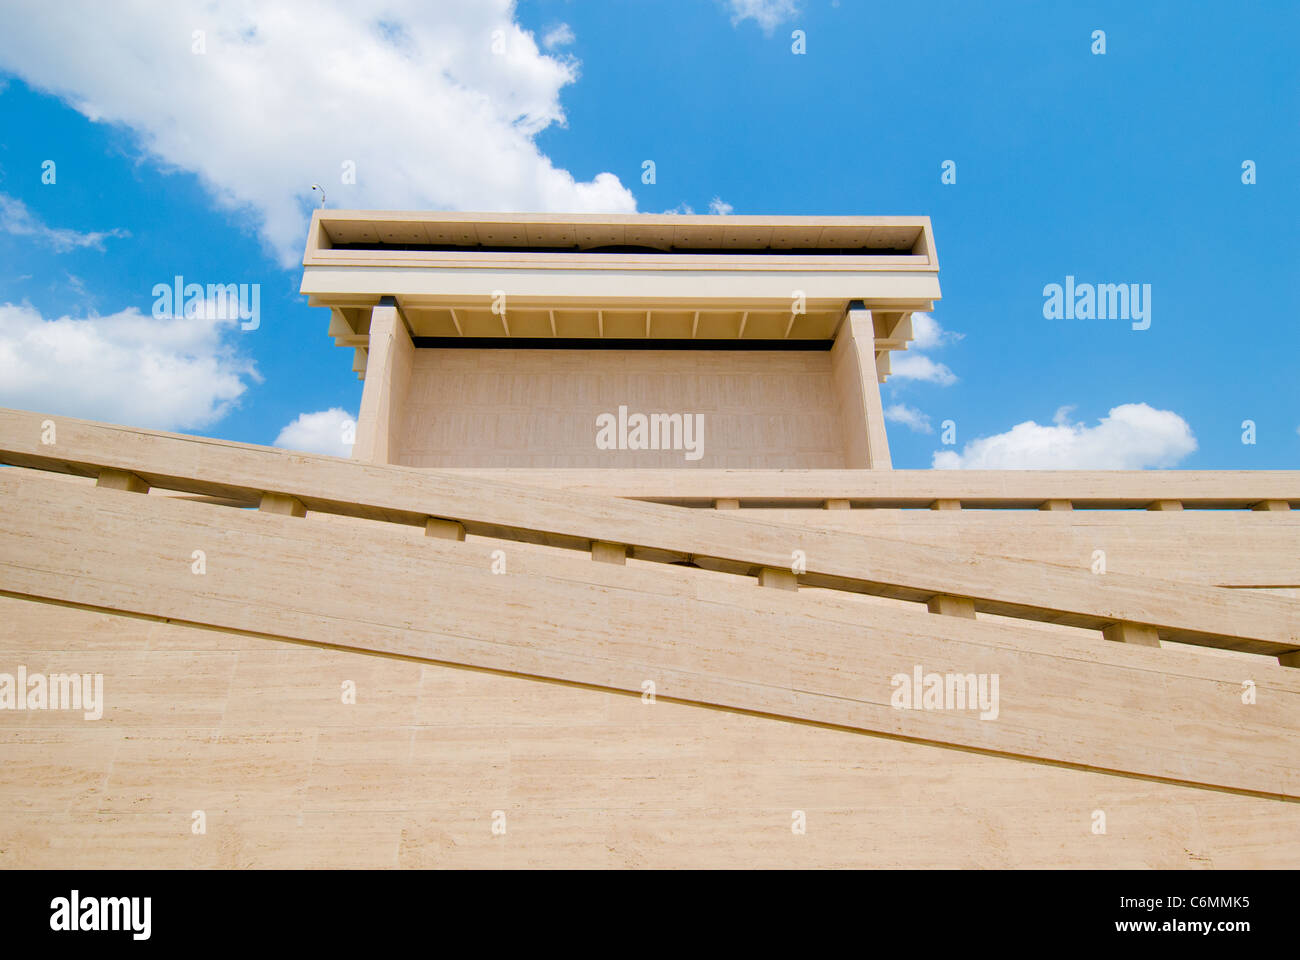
[{"x": 1122, "y": 167}]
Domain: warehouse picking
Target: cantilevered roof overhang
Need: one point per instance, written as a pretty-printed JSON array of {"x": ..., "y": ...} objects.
[{"x": 620, "y": 277}]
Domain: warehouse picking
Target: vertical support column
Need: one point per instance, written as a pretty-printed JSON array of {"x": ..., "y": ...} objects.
[
  {"x": 857, "y": 391},
  {"x": 441, "y": 529},
  {"x": 390, "y": 356},
  {"x": 1272, "y": 505},
  {"x": 777, "y": 579},
  {"x": 951, "y": 606},
  {"x": 942, "y": 603},
  {"x": 603, "y": 552},
  {"x": 282, "y": 504},
  {"x": 1056, "y": 505},
  {"x": 111, "y": 479},
  {"x": 1163, "y": 505},
  {"x": 726, "y": 503},
  {"x": 1138, "y": 633}
]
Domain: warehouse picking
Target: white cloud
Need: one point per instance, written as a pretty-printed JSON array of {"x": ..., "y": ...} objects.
[
  {"x": 128, "y": 368},
  {"x": 16, "y": 219},
  {"x": 909, "y": 417},
  {"x": 286, "y": 93},
  {"x": 917, "y": 366},
  {"x": 768, "y": 14},
  {"x": 928, "y": 334},
  {"x": 717, "y": 206},
  {"x": 558, "y": 36},
  {"x": 326, "y": 431},
  {"x": 1133, "y": 436}
]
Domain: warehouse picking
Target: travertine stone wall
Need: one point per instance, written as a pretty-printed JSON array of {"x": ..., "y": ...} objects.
[
  {"x": 538, "y": 408},
  {"x": 254, "y": 733}
]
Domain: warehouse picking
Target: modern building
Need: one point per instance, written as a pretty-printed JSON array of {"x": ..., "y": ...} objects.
[
  {"x": 620, "y": 574},
  {"x": 488, "y": 341}
]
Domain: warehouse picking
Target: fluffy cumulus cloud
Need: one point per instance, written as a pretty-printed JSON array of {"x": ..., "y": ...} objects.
[
  {"x": 927, "y": 334},
  {"x": 1133, "y": 436},
  {"x": 330, "y": 432},
  {"x": 719, "y": 207},
  {"x": 909, "y": 417},
  {"x": 17, "y": 220},
  {"x": 917, "y": 366},
  {"x": 129, "y": 367},
  {"x": 435, "y": 104},
  {"x": 768, "y": 14}
]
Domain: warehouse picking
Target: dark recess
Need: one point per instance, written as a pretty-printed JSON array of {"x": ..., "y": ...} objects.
[{"x": 614, "y": 343}]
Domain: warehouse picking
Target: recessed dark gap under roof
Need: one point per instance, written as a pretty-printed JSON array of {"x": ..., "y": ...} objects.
[
  {"x": 633, "y": 249},
  {"x": 612, "y": 343}
]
